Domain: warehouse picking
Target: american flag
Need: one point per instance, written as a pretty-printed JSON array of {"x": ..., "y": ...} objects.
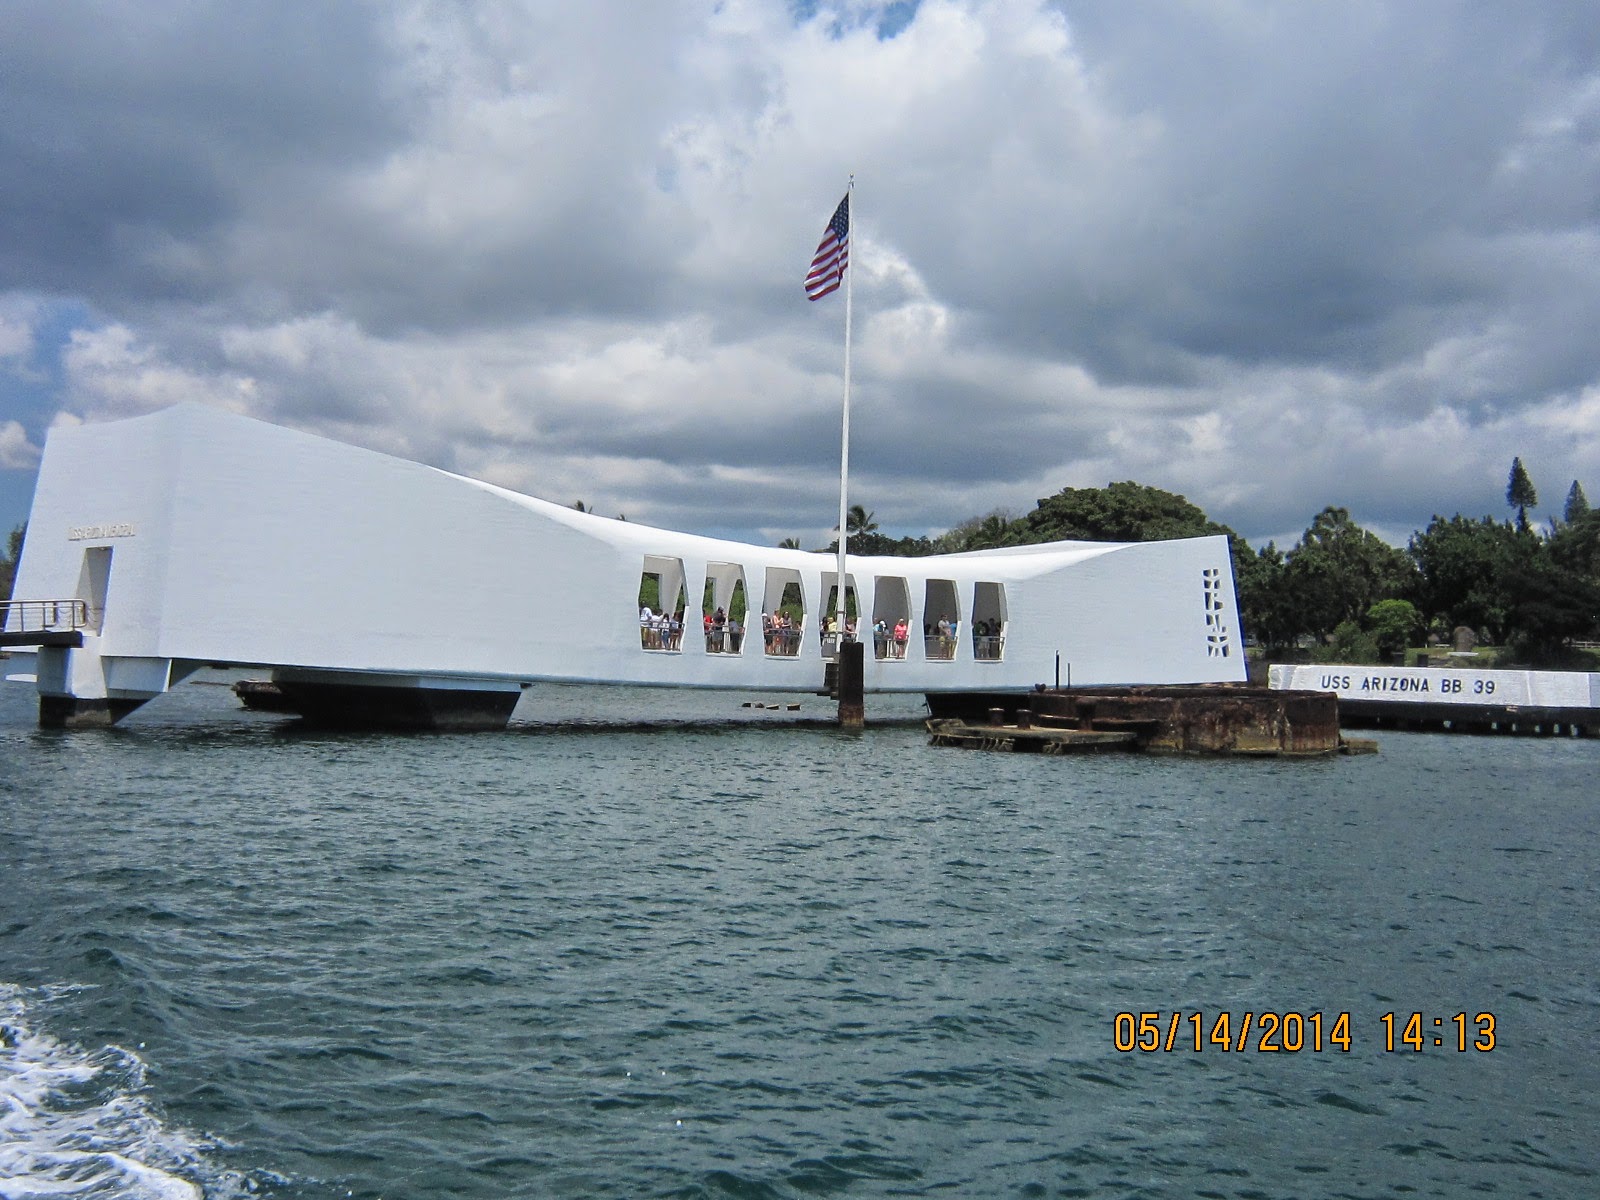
[{"x": 833, "y": 254}]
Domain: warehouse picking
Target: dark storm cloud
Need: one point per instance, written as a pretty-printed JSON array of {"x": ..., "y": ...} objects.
[
  {"x": 295, "y": 157},
  {"x": 129, "y": 128},
  {"x": 1255, "y": 253},
  {"x": 1299, "y": 186}
]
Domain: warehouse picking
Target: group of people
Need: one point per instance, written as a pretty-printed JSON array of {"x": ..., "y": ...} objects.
[
  {"x": 660, "y": 630},
  {"x": 939, "y": 638},
  {"x": 724, "y": 634},
  {"x": 830, "y": 628},
  {"x": 988, "y": 639},
  {"x": 664, "y": 631},
  {"x": 781, "y": 633}
]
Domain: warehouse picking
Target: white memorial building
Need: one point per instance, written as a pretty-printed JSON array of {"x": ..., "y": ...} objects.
[{"x": 367, "y": 584}]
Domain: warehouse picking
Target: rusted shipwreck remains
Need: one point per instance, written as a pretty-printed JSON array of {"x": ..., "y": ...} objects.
[{"x": 1205, "y": 719}]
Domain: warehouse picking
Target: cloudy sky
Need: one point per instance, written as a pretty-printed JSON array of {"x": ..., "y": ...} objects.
[{"x": 1271, "y": 256}]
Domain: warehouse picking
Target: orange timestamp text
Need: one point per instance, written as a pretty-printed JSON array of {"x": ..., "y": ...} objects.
[{"x": 1270, "y": 1032}]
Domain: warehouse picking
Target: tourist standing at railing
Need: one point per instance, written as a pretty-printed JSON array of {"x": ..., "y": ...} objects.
[
  {"x": 901, "y": 635},
  {"x": 786, "y": 639},
  {"x": 647, "y": 627}
]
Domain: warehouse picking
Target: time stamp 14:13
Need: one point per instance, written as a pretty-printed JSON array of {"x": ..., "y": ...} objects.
[{"x": 1293, "y": 1032}]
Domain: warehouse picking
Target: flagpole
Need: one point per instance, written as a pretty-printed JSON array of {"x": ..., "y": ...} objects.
[{"x": 844, "y": 436}]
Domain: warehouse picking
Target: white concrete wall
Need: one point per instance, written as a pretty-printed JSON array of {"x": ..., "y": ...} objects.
[{"x": 235, "y": 541}]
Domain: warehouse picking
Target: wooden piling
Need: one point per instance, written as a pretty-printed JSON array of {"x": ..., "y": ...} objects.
[{"x": 852, "y": 685}]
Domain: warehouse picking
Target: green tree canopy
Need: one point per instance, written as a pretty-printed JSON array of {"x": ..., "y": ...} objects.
[
  {"x": 888, "y": 547},
  {"x": 1120, "y": 512},
  {"x": 1550, "y": 604},
  {"x": 1339, "y": 570},
  {"x": 1265, "y": 605},
  {"x": 976, "y": 533},
  {"x": 1394, "y": 624},
  {"x": 1576, "y": 545},
  {"x": 8, "y": 564},
  {"x": 1460, "y": 564}
]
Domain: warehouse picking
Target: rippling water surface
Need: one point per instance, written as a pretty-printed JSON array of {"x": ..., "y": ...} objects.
[{"x": 726, "y": 953}]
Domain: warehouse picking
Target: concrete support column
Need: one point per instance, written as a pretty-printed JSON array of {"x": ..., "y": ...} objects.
[{"x": 78, "y": 689}]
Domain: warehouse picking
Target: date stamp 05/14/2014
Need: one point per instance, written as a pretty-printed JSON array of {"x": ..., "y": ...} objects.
[{"x": 1296, "y": 1032}]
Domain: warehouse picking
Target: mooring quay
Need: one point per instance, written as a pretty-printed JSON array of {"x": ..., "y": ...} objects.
[{"x": 1454, "y": 699}]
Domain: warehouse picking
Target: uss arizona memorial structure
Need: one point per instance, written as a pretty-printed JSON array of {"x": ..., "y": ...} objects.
[{"x": 369, "y": 584}]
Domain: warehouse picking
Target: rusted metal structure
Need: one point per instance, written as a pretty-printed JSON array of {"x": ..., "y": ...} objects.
[{"x": 1202, "y": 719}]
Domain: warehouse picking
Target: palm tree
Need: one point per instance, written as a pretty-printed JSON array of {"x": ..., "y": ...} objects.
[
  {"x": 858, "y": 521},
  {"x": 789, "y": 543}
]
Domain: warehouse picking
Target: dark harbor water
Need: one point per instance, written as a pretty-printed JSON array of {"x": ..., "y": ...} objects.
[{"x": 731, "y": 955}]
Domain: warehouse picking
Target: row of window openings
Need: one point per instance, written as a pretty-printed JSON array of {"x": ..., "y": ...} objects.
[{"x": 728, "y": 626}]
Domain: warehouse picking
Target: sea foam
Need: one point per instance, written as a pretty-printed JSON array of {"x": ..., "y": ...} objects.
[{"x": 77, "y": 1123}]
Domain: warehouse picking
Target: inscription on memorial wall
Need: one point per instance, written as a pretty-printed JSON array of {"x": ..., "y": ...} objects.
[
  {"x": 1443, "y": 685},
  {"x": 87, "y": 533}
]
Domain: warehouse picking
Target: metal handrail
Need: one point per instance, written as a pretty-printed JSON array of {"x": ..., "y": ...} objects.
[
  {"x": 44, "y": 616},
  {"x": 784, "y": 643},
  {"x": 989, "y": 647}
]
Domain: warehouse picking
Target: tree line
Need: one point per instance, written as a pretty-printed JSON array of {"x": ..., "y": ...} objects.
[
  {"x": 8, "y": 564},
  {"x": 1534, "y": 592}
]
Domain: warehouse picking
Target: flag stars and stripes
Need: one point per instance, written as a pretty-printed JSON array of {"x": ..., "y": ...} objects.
[{"x": 833, "y": 254}]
